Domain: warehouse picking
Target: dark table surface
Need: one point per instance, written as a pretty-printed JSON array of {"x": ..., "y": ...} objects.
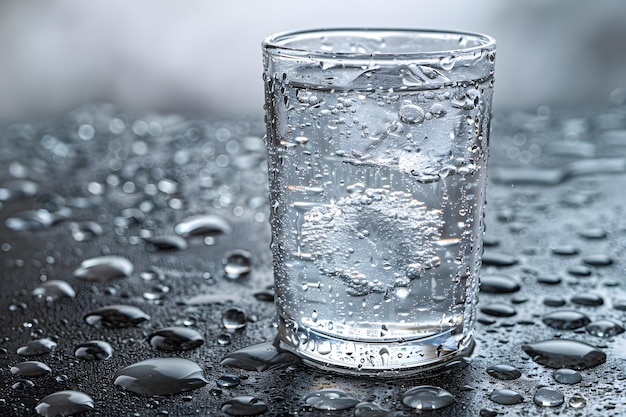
[{"x": 104, "y": 182}]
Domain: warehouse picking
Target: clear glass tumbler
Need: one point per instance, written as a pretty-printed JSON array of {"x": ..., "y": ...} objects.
[{"x": 377, "y": 149}]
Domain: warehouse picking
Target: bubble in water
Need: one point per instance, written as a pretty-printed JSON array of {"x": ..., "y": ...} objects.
[
  {"x": 548, "y": 397},
  {"x": 386, "y": 222},
  {"x": 64, "y": 403},
  {"x": 104, "y": 269},
  {"x": 467, "y": 100},
  {"x": 567, "y": 376},
  {"x": 202, "y": 224},
  {"x": 427, "y": 397},
  {"x": 330, "y": 399},
  {"x": 566, "y": 319},
  {"x": 167, "y": 242},
  {"x": 84, "y": 231},
  {"x": 54, "y": 290},
  {"x": 411, "y": 114},
  {"x": 86, "y": 131},
  {"x": 244, "y": 406},
  {"x": 260, "y": 357},
  {"x": 604, "y": 328},
  {"x": 161, "y": 376},
  {"x": 37, "y": 347},
  {"x": 30, "y": 220},
  {"x": 237, "y": 264},
  {"x": 175, "y": 339},
  {"x": 498, "y": 284},
  {"x": 504, "y": 372},
  {"x": 564, "y": 353},
  {"x": 94, "y": 350},
  {"x": 228, "y": 381},
  {"x": 116, "y": 317},
  {"x": 438, "y": 110},
  {"x": 506, "y": 397},
  {"x": 234, "y": 318},
  {"x": 30, "y": 369}
]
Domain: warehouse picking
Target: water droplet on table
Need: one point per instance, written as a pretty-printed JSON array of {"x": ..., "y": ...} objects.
[
  {"x": 493, "y": 258},
  {"x": 587, "y": 299},
  {"x": 104, "y": 269},
  {"x": 548, "y": 397},
  {"x": 604, "y": 328},
  {"x": 260, "y": 357},
  {"x": 498, "y": 310},
  {"x": 18, "y": 189},
  {"x": 228, "y": 381},
  {"x": 576, "y": 401},
  {"x": 498, "y": 284},
  {"x": 85, "y": 231},
  {"x": 202, "y": 224},
  {"x": 54, "y": 289},
  {"x": 566, "y": 319},
  {"x": 367, "y": 409},
  {"x": 175, "y": 339},
  {"x": 579, "y": 271},
  {"x": 116, "y": 316},
  {"x": 548, "y": 280},
  {"x": 567, "y": 376},
  {"x": 64, "y": 403},
  {"x": 237, "y": 264},
  {"x": 156, "y": 292},
  {"x": 30, "y": 369},
  {"x": 564, "y": 353},
  {"x": 244, "y": 405},
  {"x": 427, "y": 397},
  {"x": 167, "y": 242},
  {"x": 565, "y": 250},
  {"x": 598, "y": 259},
  {"x": 94, "y": 350},
  {"x": 161, "y": 376},
  {"x": 504, "y": 372},
  {"x": 330, "y": 399},
  {"x": 506, "y": 397},
  {"x": 554, "y": 301},
  {"x": 30, "y": 220},
  {"x": 37, "y": 347},
  {"x": 234, "y": 318}
]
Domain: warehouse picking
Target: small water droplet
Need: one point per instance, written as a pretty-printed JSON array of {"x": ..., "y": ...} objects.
[
  {"x": 104, "y": 269},
  {"x": 565, "y": 250},
  {"x": 237, "y": 264},
  {"x": 598, "y": 259},
  {"x": 29, "y": 220},
  {"x": 37, "y": 347},
  {"x": 175, "y": 339},
  {"x": 64, "y": 403},
  {"x": 493, "y": 258},
  {"x": 244, "y": 406},
  {"x": 202, "y": 224},
  {"x": 427, "y": 397},
  {"x": 504, "y": 372},
  {"x": 116, "y": 317},
  {"x": 224, "y": 339},
  {"x": 566, "y": 319},
  {"x": 54, "y": 290},
  {"x": 498, "y": 284},
  {"x": 156, "y": 292},
  {"x": 30, "y": 369},
  {"x": 498, "y": 310},
  {"x": 167, "y": 242},
  {"x": 234, "y": 318},
  {"x": 548, "y": 280},
  {"x": 548, "y": 397},
  {"x": 554, "y": 301},
  {"x": 330, "y": 399},
  {"x": 161, "y": 376},
  {"x": 604, "y": 328},
  {"x": 260, "y": 357},
  {"x": 587, "y": 299},
  {"x": 506, "y": 397},
  {"x": 579, "y": 271},
  {"x": 567, "y": 376},
  {"x": 94, "y": 350},
  {"x": 564, "y": 353},
  {"x": 576, "y": 401},
  {"x": 228, "y": 381},
  {"x": 18, "y": 189},
  {"x": 367, "y": 409},
  {"x": 85, "y": 231}
]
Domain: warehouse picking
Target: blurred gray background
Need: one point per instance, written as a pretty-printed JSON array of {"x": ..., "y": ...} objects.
[{"x": 205, "y": 55}]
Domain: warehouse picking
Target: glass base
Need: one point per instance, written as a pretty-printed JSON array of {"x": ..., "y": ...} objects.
[{"x": 376, "y": 359}]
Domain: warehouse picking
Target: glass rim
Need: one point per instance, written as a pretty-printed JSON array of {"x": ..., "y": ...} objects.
[{"x": 278, "y": 43}]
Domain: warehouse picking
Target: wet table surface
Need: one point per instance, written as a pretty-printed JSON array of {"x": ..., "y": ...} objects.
[{"x": 131, "y": 238}]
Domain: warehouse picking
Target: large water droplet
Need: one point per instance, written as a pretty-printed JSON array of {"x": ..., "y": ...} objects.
[
  {"x": 427, "y": 397},
  {"x": 566, "y": 319},
  {"x": 567, "y": 376},
  {"x": 548, "y": 397},
  {"x": 411, "y": 114},
  {"x": 504, "y": 372},
  {"x": 604, "y": 328},
  {"x": 330, "y": 399},
  {"x": 564, "y": 353},
  {"x": 260, "y": 357},
  {"x": 53, "y": 290},
  {"x": 175, "y": 338},
  {"x": 234, "y": 318},
  {"x": 64, "y": 403},
  {"x": 94, "y": 350},
  {"x": 244, "y": 406},
  {"x": 116, "y": 316},
  {"x": 506, "y": 397},
  {"x": 498, "y": 284},
  {"x": 202, "y": 225},
  {"x": 37, "y": 347},
  {"x": 237, "y": 264},
  {"x": 161, "y": 376},
  {"x": 104, "y": 269},
  {"x": 30, "y": 369}
]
